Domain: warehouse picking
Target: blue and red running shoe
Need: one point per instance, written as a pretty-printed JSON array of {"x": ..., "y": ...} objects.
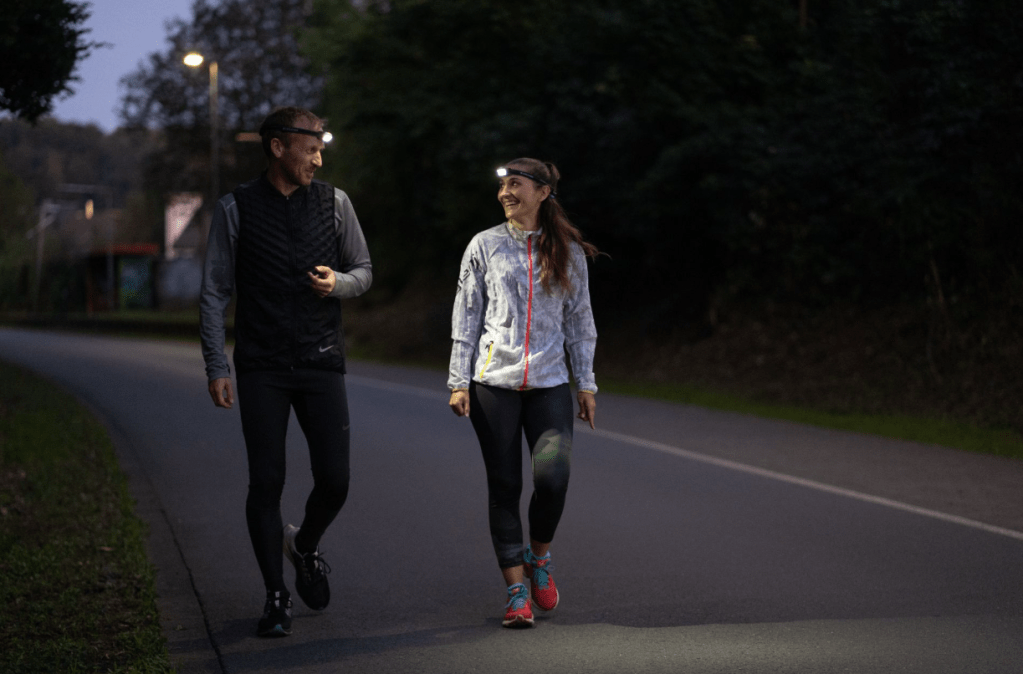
[
  {"x": 543, "y": 590},
  {"x": 518, "y": 612}
]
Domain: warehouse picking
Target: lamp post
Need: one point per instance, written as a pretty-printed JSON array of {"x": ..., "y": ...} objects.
[{"x": 194, "y": 60}]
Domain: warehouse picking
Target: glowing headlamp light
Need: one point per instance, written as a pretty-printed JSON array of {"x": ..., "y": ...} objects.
[
  {"x": 325, "y": 136},
  {"x": 504, "y": 171}
]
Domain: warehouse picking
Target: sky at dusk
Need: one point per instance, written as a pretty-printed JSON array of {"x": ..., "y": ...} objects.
[{"x": 134, "y": 29}]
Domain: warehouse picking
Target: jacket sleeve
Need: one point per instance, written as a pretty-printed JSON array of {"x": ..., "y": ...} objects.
[
  {"x": 356, "y": 273},
  {"x": 580, "y": 330},
  {"x": 467, "y": 315},
  {"x": 217, "y": 286}
]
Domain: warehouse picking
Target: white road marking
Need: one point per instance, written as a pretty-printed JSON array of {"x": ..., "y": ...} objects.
[{"x": 725, "y": 463}]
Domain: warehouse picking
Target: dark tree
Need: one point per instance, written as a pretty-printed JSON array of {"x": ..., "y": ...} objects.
[
  {"x": 721, "y": 154},
  {"x": 40, "y": 44}
]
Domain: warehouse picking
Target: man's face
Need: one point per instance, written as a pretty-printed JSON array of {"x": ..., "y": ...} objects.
[{"x": 299, "y": 154}]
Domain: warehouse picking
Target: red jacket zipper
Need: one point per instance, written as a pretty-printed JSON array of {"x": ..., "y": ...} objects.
[{"x": 529, "y": 308}]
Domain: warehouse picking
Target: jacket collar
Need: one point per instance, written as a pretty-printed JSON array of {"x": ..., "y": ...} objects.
[
  {"x": 265, "y": 184},
  {"x": 520, "y": 235}
]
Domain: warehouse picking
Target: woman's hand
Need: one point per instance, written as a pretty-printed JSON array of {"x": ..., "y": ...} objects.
[
  {"x": 587, "y": 407},
  {"x": 459, "y": 403}
]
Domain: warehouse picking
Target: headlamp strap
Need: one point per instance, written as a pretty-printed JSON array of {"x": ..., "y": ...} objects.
[{"x": 504, "y": 171}]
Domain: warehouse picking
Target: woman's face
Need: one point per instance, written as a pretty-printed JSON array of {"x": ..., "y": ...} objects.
[{"x": 521, "y": 198}]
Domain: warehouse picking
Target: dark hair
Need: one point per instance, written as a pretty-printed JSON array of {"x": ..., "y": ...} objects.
[
  {"x": 282, "y": 117},
  {"x": 558, "y": 231}
]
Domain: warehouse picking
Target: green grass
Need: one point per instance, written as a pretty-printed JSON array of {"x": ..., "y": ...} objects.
[
  {"x": 1000, "y": 442},
  {"x": 78, "y": 589}
]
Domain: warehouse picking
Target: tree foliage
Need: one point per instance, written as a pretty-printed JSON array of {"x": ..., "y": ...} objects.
[
  {"x": 68, "y": 163},
  {"x": 255, "y": 45},
  {"x": 715, "y": 149},
  {"x": 16, "y": 218},
  {"x": 40, "y": 44},
  {"x": 49, "y": 154}
]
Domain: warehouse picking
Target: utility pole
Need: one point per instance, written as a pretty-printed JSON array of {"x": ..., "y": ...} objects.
[
  {"x": 48, "y": 212},
  {"x": 802, "y": 14},
  {"x": 193, "y": 60}
]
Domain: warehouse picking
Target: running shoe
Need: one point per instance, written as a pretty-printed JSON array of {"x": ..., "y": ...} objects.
[
  {"x": 276, "y": 620},
  {"x": 542, "y": 588},
  {"x": 518, "y": 612},
  {"x": 310, "y": 572}
]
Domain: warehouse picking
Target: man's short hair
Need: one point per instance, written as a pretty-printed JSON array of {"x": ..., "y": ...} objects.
[{"x": 270, "y": 128}]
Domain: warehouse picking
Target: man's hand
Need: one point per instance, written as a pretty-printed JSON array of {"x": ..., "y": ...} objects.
[
  {"x": 459, "y": 403},
  {"x": 222, "y": 393},
  {"x": 323, "y": 280},
  {"x": 587, "y": 407}
]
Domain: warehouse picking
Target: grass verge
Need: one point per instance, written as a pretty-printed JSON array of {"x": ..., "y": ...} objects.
[{"x": 78, "y": 592}]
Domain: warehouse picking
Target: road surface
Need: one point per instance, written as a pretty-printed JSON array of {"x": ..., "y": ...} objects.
[{"x": 693, "y": 540}]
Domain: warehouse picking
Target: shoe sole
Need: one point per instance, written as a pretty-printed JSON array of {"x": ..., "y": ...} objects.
[
  {"x": 287, "y": 548},
  {"x": 276, "y": 631},
  {"x": 291, "y": 558},
  {"x": 518, "y": 623}
]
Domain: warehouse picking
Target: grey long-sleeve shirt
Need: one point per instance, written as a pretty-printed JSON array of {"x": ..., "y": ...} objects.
[{"x": 353, "y": 279}]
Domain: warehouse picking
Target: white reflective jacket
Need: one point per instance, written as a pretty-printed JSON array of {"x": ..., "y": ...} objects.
[{"x": 506, "y": 330}]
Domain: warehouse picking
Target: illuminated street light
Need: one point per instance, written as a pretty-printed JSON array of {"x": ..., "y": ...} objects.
[{"x": 194, "y": 60}]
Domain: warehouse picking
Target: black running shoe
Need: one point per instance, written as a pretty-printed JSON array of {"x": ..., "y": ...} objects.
[
  {"x": 310, "y": 572},
  {"x": 276, "y": 620}
]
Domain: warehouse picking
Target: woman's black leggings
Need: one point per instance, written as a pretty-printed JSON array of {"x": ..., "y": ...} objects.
[
  {"x": 500, "y": 417},
  {"x": 265, "y": 400}
]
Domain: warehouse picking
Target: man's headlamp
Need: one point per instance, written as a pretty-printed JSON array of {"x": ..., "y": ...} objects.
[{"x": 325, "y": 136}]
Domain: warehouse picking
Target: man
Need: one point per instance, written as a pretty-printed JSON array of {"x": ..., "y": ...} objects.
[{"x": 291, "y": 248}]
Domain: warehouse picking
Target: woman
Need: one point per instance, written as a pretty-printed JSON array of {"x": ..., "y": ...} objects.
[{"x": 523, "y": 303}]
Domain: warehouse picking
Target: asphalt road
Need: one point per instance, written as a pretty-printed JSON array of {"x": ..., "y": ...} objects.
[{"x": 693, "y": 540}]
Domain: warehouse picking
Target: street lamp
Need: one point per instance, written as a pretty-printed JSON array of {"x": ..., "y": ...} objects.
[{"x": 194, "y": 60}]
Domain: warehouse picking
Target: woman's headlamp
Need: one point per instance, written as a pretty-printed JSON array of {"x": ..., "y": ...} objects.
[{"x": 503, "y": 171}]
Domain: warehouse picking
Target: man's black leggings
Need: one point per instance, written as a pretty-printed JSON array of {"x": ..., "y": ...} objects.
[
  {"x": 265, "y": 400},
  {"x": 500, "y": 417}
]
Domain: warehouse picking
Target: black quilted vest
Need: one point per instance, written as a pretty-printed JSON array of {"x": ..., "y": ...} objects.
[{"x": 280, "y": 323}]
